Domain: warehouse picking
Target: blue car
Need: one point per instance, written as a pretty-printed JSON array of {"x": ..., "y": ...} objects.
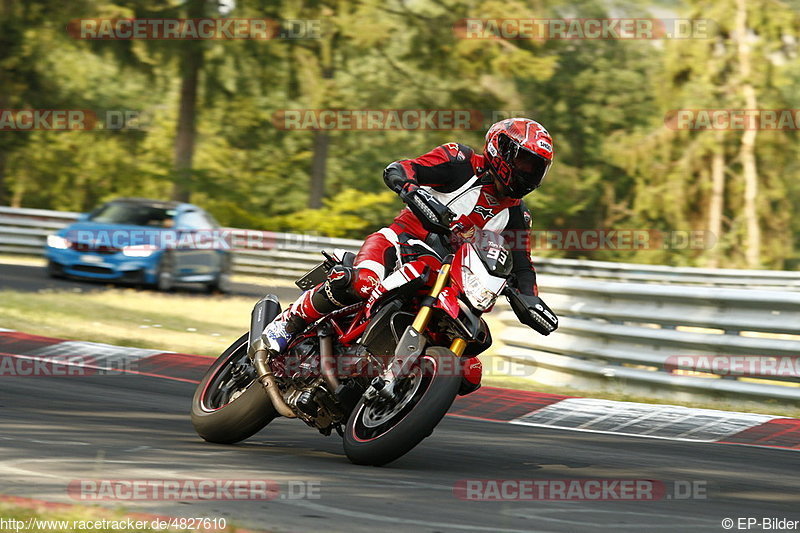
[{"x": 145, "y": 242}]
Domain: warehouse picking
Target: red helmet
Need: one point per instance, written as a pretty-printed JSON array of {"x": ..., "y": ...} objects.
[{"x": 519, "y": 152}]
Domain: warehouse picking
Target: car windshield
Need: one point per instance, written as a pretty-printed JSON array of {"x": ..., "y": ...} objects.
[{"x": 135, "y": 214}]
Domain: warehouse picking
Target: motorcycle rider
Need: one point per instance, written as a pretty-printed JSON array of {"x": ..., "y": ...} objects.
[{"x": 482, "y": 190}]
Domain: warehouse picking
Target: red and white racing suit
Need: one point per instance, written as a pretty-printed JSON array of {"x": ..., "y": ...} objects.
[
  {"x": 454, "y": 174},
  {"x": 451, "y": 174}
]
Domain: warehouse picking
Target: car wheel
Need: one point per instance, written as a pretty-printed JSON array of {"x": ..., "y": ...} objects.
[
  {"x": 222, "y": 282},
  {"x": 54, "y": 270},
  {"x": 165, "y": 275}
]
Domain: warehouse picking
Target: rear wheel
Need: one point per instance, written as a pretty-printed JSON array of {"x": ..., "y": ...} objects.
[
  {"x": 229, "y": 405},
  {"x": 165, "y": 275},
  {"x": 380, "y": 432},
  {"x": 222, "y": 282}
]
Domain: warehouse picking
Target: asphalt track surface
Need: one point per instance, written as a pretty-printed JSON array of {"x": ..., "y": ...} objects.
[
  {"x": 55, "y": 430},
  {"x": 59, "y": 429}
]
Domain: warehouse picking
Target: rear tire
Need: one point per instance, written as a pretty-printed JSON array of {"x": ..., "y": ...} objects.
[
  {"x": 165, "y": 274},
  {"x": 236, "y": 420},
  {"x": 365, "y": 445},
  {"x": 222, "y": 282}
]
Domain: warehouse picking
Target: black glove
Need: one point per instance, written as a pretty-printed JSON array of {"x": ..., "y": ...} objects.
[
  {"x": 434, "y": 215},
  {"x": 532, "y": 311}
]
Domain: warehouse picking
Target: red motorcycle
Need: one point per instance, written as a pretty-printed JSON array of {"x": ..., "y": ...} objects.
[{"x": 382, "y": 372}]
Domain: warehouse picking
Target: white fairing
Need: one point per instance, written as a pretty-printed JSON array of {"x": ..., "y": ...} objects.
[
  {"x": 461, "y": 201},
  {"x": 486, "y": 281}
]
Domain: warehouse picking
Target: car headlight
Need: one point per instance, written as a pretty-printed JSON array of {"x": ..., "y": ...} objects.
[
  {"x": 139, "y": 251},
  {"x": 54, "y": 241},
  {"x": 479, "y": 296}
]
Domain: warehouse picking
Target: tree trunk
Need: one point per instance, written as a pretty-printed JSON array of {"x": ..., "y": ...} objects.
[
  {"x": 5, "y": 13},
  {"x": 717, "y": 203},
  {"x": 749, "y": 168},
  {"x": 319, "y": 165},
  {"x": 18, "y": 193},
  {"x": 191, "y": 64},
  {"x": 322, "y": 139},
  {"x": 3, "y": 195}
]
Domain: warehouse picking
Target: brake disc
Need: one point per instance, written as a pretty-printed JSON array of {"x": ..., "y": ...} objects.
[{"x": 380, "y": 412}]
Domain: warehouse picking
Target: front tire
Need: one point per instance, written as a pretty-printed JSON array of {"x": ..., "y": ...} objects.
[
  {"x": 54, "y": 270},
  {"x": 228, "y": 415},
  {"x": 375, "y": 438}
]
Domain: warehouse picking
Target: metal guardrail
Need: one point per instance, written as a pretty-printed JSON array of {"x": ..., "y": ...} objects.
[
  {"x": 639, "y": 332},
  {"x": 715, "y": 277},
  {"x": 621, "y": 323},
  {"x": 23, "y": 231}
]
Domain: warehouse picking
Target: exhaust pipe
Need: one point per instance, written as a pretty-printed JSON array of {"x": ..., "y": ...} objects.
[
  {"x": 267, "y": 380},
  {"x": 327, "y": 362}
]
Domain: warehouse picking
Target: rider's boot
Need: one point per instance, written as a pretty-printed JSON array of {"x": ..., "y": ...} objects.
[
  {"x": 334, "y": 293},
  {"x": 281, "y": 331}
]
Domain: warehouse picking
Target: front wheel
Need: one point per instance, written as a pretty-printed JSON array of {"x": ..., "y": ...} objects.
[
  {"x": 381, "y": 432},
  {"x": 54, "y": 270},
  {"x": 229, "y": 405}
]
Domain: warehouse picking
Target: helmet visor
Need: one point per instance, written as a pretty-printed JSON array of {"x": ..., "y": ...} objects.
[{"x": 527, "y": 172}]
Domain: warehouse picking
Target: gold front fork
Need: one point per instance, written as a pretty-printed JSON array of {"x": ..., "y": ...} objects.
[
  {"x": 458, "y": 346},
  {"x": 424, "y": 315}
]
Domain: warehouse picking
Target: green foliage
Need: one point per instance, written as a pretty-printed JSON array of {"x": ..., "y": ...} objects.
[
  {"x": 604, "y": 101},
  {"x": 351, "y": 213}
]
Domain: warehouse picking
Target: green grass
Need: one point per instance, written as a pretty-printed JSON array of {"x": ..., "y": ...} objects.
[
  {"x": 127, "y": 317},
  {"x": 30, "y": 260}
]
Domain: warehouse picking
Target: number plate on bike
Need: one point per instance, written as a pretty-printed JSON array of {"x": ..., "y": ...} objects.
[{"x": 313, "y": 278}]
